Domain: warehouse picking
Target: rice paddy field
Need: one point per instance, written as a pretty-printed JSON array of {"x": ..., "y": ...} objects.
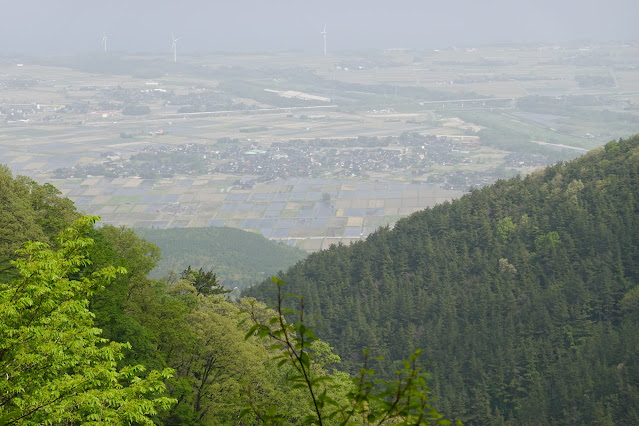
[{"x": 291, "y": 211}]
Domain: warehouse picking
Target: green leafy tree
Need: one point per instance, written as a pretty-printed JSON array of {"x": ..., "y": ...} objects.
[
  {"x": 505, "y": 227},
  {"x": 55, "y": 367},
  {"x": 211, "y": 361}
]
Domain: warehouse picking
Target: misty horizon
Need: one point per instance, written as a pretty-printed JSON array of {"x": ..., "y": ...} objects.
[{"x": 66, "y": 27}]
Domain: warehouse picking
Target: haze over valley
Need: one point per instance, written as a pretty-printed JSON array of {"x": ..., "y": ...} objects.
[
  {"x": 305, "y": 148},
  {"x": 327, "y": 213}
]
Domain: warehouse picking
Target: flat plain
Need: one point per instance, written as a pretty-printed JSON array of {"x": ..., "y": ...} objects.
[{"x": 305, "y": 149}]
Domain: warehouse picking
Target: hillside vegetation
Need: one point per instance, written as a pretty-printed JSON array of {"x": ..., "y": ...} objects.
[
  {"x": 524, "y": 295},
  {"x": 87, "y": 337},
  {"x": 29, "y": 211},
  {"x": 239, "y": 258}
]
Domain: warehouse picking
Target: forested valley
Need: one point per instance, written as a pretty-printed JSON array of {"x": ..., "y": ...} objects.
[
  {"x": 521, "y": 296},
  {"x": 87, "y": 337}
]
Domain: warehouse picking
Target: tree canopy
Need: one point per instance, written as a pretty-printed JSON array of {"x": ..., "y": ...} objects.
[
  {"x": 55, "y": 366},
  {"x": 29, "y": 212}
]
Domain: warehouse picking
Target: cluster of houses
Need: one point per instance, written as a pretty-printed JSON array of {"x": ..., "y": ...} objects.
[
  {"x": 150, "y": 163},
  {"x": 13, "y": 113},
  {"x": 301, "y": 159},
  {"x": 410, "y": 154}
]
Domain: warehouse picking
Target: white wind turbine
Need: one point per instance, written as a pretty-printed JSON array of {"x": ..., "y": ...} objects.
[
  {"x": 174, "y": 47},
  {"x": 104, "y": 41},
  {"x": 324, "y": 34}
]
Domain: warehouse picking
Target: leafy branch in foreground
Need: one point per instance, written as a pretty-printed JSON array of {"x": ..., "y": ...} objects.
[
  {"x": 54, "y": 365},
  {"x": 403, "y": 401}
]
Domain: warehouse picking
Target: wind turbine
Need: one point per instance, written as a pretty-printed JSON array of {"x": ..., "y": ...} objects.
[
  {"x": 174, "y": 47},
  {"x": 324, "y": 34},
  {"x": 104, "y": 41}
]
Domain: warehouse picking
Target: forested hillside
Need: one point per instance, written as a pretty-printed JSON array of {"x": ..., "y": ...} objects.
[
  {"x": 86, "y": 337},
  {"x": 239, "y": 258},
  {"x": 80, "y": 319},
  {"x": 524, "y": 295},
  {"x": 29, "y": 211}
]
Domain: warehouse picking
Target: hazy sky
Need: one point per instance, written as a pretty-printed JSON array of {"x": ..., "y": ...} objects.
[{"x": 75, "y": 26}]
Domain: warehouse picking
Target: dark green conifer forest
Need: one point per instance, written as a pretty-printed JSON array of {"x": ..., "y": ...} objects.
[{"x": 523, "y": 295}]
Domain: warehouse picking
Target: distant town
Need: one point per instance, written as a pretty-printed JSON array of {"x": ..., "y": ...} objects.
[{"x": 411, "y": 155}]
